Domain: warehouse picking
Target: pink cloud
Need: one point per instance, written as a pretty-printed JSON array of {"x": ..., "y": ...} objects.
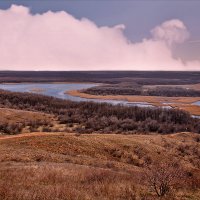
[
  {"x": 173, "y": 31},
  {"x": 58, "y": 41}
]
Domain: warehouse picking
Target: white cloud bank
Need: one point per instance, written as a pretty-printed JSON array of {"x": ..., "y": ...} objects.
[{"x": 58, "y": 41}]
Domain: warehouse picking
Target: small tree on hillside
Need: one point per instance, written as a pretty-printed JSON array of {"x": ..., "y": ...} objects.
[{"x": 163, "y": 177}]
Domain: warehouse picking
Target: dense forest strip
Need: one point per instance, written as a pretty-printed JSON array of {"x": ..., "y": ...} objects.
[
  {"x": 135, "y": 89},
  {"x": 90, "y": 117},
  {"x": 139, "y": 77}
]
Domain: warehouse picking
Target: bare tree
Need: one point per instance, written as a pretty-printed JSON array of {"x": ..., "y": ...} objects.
[{"x": 164, "y": 176}]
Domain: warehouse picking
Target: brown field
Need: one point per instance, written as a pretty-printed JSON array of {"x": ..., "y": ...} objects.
[
  {"x": 28, "y": 120},
  {"x": 68, "y": 166},
  {"x": 178, "y": 102},
  {"x": 193, "y": 109},
  {"x": 18, "y": 116}
]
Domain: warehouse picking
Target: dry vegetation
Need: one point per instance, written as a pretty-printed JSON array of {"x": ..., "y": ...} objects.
[
  {"x": 90, "y": 117},
  {"x": 176, "y": 96},
  {"x": 178, "y": 102},
  {"x": 20, "y": 116},
  {"x": 193, "y": 109},
  {"x": 68, "y": 166},
  {"x": 140, "y": 90},
  {"x": 155, "y": 100},
  {"x": 14, "y": 121},
  {"x": 186, "y": 86}
]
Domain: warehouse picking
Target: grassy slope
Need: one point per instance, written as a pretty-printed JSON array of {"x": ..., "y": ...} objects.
[
  {"x": 66, "y": 166},
  {"x": 19, "y": 116},
  {"x": 15, "y": 116}
]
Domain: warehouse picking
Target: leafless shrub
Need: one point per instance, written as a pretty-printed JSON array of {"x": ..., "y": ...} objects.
[{"x": 162, "y": 177}]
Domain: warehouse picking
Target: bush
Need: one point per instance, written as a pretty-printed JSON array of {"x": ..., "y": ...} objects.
[{"x": 89, "y": 117}]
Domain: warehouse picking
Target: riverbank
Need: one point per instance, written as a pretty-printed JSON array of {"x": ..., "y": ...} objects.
[{"x": 184, "y": 103}]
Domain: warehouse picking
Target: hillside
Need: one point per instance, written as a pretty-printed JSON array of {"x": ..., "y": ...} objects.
[
  {"x": 95, "y": 166},
  {"x": 14, "y": 121},
  {"x": 68, "y": 150}
]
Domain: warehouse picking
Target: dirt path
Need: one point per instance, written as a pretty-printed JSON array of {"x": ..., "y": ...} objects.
[{"x": 24, "y": 135}]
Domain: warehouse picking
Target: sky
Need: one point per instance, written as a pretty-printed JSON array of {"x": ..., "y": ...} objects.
[{"x": 100, "y": 35}]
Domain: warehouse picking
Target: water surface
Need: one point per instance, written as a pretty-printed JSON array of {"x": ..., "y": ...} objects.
[
  {"x": 58, "y": 90},
  {"x": 197, "y": 103}
]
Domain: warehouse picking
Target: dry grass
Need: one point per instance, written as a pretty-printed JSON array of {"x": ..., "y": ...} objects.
[
  {"x": 155, "y": 100},
  {"x": 67, "y": 166},
  {"x": 193, "y": 109},
  {"x": 15, "y": 116},
  {"x": 19, "y": 116},
  {"x": 178, "y": 102},
  {"x": 63, "y": 181}
]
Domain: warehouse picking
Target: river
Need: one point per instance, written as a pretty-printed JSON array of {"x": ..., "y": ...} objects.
[{"x": 59, "y": 90}]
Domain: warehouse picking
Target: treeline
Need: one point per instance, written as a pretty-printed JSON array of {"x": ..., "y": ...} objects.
[
  {"x": 115, "y": 89},
  {"x": 89, "y": 117},
  {"x": 140, "y": 77},
  {"x": 173, "y": 92},
  {"x": 135, "y": 89},
  {"x": 105, "y": 118}
]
